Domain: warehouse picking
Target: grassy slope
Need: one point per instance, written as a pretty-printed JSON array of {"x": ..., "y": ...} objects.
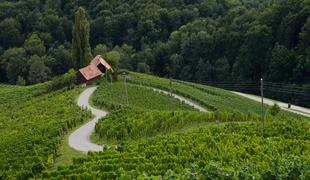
[
  {"x": 213, "y": 98},
  {"x": 139, "y": 97},
  {"x": 146, "y": 129},
  {"x": 31, "y": 128},
  {"x": 128, "y": 125},
  {"x": 216, "y": 151},
  {"x": 121, "y": 123},
  {"x": 210, "y": 97}
]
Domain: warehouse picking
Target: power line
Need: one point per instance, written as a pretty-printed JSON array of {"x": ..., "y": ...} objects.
[{"x": 288, "y": 86}]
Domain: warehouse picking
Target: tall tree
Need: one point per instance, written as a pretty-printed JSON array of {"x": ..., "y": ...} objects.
[
  {"x": 204, "y": 70},
  {"x": 81, "y": 48},
  {"x": 34, "y": 45},
  {"x": 13, "y": 61},
  {"x": 222, "y": 69},
  {"x": 10, "y": 35},
  {"x": 252, "y": 59},
  {"x": 281, "y": 64},
  {"x": 38, "y": 72}
]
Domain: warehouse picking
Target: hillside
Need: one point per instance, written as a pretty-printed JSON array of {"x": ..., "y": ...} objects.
[
  {"x": 228, "y": 43},
  {"x": 32, "y": 126},
  {"x": 154, "y": 89},
  {"x": 153, "y": 141},
  {"x": 114, "y": 97},
  {"x": 155, "y": 134},
  {"x": 234, "y": 150}
]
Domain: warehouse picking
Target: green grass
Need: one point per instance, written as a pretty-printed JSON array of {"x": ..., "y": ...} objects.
[
  {"x": 66, "y": 153},
  {"x": 214, "y": 99},
  {"x": 156, "y": 135},
  {"x": 126, "y": 125},
  {"x": 32, "y": 127},
  {"x": 215, "y": 151},
  {"x": 188, "y": 144},
  {"x": 139, "y": 97}
]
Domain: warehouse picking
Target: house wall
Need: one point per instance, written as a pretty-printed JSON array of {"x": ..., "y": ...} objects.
[
  {"x": 92, "y": 81},
  {"x": 81, "y": 79}
]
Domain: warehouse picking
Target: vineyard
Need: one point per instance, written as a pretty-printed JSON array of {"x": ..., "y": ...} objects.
[
  {"x": 152, "y": 135},
  {"x": 113, "y": 97},
  {"x": 218, "y": 151},
  {"x": 210, "y": 97},
  {"x": 149, "y": 139},
  {"x": 31, "y": 127},
  {"x": 131, "y": 125}
]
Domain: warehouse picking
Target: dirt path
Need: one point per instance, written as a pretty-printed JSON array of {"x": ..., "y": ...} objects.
[
  {"x": 284, "y": 106},
  {"x": 186, "y": 101},
  {"x": 80, "y": 139}
]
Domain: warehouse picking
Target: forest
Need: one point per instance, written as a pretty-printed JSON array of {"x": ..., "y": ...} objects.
[{"x": 225, "y": 43}]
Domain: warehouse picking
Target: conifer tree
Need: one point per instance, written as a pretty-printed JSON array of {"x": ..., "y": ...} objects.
[{"x": 81, "y": 48}]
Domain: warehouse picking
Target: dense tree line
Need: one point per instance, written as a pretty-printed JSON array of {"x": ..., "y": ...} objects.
[{"x": 197, "y": 40}]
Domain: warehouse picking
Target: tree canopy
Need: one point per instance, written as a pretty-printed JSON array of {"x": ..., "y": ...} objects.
[{"x": 174, "y": 38}]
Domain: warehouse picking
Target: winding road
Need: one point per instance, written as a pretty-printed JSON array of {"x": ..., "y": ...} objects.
[
  {"x": 80, "y": 139},
  {"x": 295, "y": 109}
]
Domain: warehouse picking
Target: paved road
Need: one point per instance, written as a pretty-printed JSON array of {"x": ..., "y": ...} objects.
[
  {"x": 186, "y": 101},
  {"x": 284, "y": 106},
  {"x": 80, "y": 139}
]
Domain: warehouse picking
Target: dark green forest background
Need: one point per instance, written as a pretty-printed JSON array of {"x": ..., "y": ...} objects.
[{"x": 226, "y": 43}]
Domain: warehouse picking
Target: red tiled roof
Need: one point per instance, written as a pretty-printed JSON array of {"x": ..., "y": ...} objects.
[
  {"x": 98, "y": 59},
  {"x": 90, "y": 72}
]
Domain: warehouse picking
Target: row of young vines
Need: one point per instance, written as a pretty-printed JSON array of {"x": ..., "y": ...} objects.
[
  {"x": 221, "y": 151},
  {"x": 32, "y": 126},
  {"x": 114, "y": 96},
  {"x": 131, "y": 125}
]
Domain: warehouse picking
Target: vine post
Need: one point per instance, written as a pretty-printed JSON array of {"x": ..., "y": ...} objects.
[{"x": 262, "y": 95}]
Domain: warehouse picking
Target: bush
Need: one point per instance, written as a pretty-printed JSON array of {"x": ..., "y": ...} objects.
[
  {"x": 275, "y": 109},
  {"x": 67, "y": 81},
  {"x": 20, "y": 81}
]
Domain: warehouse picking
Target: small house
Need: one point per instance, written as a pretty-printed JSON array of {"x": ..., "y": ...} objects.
[{"x": 93, "y": 72}]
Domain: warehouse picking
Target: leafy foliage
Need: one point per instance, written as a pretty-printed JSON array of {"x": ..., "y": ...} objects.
[
  {"x": 275, "y": 109},
  {"x": 131, "y": 125},
  {"x": 80, "y": 43},
  {"x": 218, "y": 41},
  {"x": 67, "y": 81},
  {"x": 227, "y": 151},
  {"x": 31, "y": 128},
  {"x": 113, "y": 97},
  {"x": 210, "y": 97}
]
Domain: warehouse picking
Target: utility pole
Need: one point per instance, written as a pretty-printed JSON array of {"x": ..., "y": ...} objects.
[
  {"x": 111, "y": 78},
  {"x": 125, "y": 85},
  {"x": 111, "y": 81},
  {"x": 170, "y": 83},
  {"x": 262, "y": 95}
]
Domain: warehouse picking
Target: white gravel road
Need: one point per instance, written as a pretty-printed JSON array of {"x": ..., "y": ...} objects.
[
  {"x": 284, "y": 106},
  {"x": 80, "y": 139}
]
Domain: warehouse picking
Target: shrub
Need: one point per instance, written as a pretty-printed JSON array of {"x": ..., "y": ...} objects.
[
  {"x": 67, "y": 81},
  {"x": 275, "y": 109}
]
